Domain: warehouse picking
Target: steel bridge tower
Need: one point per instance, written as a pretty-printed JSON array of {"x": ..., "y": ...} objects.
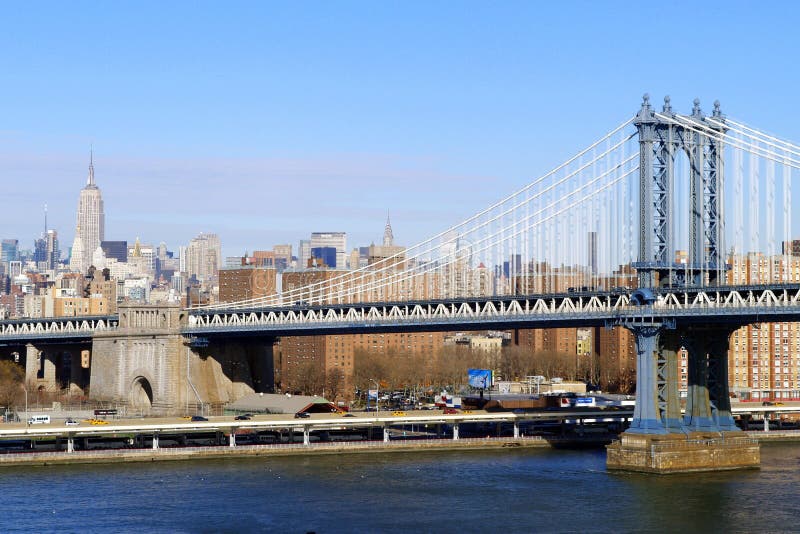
[
  {"x": 660, "y": 141},
  {"x": 659, "y": 343}
]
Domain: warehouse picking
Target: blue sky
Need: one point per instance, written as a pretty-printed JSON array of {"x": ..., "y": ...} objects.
[{"x": 265, "y": 121}]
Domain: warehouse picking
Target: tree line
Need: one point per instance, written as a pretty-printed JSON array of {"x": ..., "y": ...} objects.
[{"x": 447, "y": 369}]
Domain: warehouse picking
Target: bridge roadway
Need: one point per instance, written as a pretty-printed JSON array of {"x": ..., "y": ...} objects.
[
  {"x": 731, "y": 305},
  {"x": 320, "y": 422},
  {"x": 315, "y": 422}
]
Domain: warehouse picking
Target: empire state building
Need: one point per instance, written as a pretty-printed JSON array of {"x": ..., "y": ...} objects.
[{"x": 90, "y": 230}]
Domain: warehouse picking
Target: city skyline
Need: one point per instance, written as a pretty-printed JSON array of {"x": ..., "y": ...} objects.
[{"x": 263, "y": 143}]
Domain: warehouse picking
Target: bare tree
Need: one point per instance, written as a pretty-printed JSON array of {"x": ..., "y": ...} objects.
[
  {"x": 307, "y": 378},
  {"x": 368, "y": 366},
  {"x": 334, "y": 383},
  {"x": 12, "y": 376}
]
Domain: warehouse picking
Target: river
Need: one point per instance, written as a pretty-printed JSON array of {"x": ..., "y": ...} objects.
[{"x": 532, "y": 490}]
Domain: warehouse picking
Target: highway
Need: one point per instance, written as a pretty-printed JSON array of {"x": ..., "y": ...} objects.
[
  {"x": 426, "y": 422},
  {"x": 283, "y": 421}
]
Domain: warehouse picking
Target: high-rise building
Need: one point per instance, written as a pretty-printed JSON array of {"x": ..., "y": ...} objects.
[
  {"x": 53, "y": 252},
  {"x": 326, "y": 255},
  {"x": 46, "y": 254},
  {"x": 791, "y": 247},
  {"x": 9, "y": 251},
  {"x": 78, "y": 262},
  {"x": 592, "y": 252},
  {"x": 91, "y": 222},
  {"x": 303, "y": 253},
  {"x": 246, "y": 282},
  {"x": 379, "y": 255},
  {"x": 40, "y": 253},
  {"x": 182, "y": 259},
  {"x": 143, "y": 255},
  {"x": 764, "y": 359},
  {"x": 337, "y": 240},
  {"x": 283, "y": 256},
  {"x": 115, "y": 249},
  {"x": 204, "y": 257}
]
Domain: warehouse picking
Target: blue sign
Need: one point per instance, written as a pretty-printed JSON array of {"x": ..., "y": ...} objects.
[{"x": 480, "y": 378}]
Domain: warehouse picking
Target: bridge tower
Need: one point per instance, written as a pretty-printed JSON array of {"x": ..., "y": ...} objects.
[
  {"x": 657, "y": 438},
  {"x": 660, "y": 141}
]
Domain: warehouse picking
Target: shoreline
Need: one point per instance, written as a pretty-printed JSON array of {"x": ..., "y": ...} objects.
[
  {"x": 112, "y": 456},
  {"x": 252, "y": 451}
]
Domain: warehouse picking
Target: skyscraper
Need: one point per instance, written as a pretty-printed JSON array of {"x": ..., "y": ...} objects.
[
  {"x": 9, "y": 251},
  {"x": 378, "y": 254},
  {"x": 204, "y": 257},
  {"x": 303, "y": 253},
  {"x": 78, "y": 261},
  {"x": 591, "y": 252},
  {"x": 91, "y": 220},
  {"x": 53, "y": 252},
  {"x": 337, "y": 240}
]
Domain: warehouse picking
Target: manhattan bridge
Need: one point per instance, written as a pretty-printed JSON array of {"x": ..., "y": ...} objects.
[{"x": 639, "y": 230}]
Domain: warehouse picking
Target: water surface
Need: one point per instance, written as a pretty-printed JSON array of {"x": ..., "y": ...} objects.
[{"x": 457, "y": 491}]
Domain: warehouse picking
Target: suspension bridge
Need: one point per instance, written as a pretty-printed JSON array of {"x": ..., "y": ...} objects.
[{"x": 648, "y": 228}]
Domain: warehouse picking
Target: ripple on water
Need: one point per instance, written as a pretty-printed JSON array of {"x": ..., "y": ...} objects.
[{"x": 464, "y": 491}]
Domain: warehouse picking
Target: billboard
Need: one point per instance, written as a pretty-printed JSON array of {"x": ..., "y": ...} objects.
[
  {"x": 372, "y": 394},
  {"x": 479, "y": 378}
]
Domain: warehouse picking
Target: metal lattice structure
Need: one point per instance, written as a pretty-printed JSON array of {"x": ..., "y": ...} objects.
[{"x": 661, "y": 136}]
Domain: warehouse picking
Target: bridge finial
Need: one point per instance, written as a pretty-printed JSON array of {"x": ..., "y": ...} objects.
[
  {"x": 667, "y": 104},
  {"x": 696, "y": 109},
  {"x": 646, "y": 100},
  {"x": 717, "y": 111}
]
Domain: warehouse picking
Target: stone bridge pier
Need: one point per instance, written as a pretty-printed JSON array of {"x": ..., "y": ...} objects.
[
  {"x": 148, "y": 365},
  {"x": 55, "y": 366},
  {"x": 703, "y": 438}
]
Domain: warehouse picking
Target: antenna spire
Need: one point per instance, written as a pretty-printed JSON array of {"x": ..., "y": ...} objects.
[
  {"x": 388, "y": 236},
  {"x": 90, "y": 180}
]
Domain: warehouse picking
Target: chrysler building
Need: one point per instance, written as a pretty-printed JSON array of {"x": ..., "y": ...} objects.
[{"x": 91, "y": 222}]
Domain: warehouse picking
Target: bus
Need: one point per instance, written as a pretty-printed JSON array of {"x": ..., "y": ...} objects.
[{"x": 39, "y": 420}]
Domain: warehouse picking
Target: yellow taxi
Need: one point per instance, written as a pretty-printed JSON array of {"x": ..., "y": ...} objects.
[
  {"x": 399, "y": 414},
  {"x": 95, "y": 421}
]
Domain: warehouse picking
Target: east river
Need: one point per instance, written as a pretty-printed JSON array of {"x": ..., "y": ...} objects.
[{"x": 528, "y": 490}]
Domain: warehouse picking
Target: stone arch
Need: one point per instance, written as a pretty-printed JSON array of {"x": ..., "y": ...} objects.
[{"x": 140, "y": 397}]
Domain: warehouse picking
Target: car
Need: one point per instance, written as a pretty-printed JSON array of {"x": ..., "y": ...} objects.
[
  {"x": 98, "y": 422},
  {"x": 187, "y": 417},
  {"x": 767, "y": 403},
  {"x": 71, "y": 422},
  {"x": 450, "y": 411},
  {"x": 348, "y": 415},
  {"x": 302, "y": 415},
  {"x": 399, "y": 413},
  {"x": 244, "y": 417},
  {"x": 196, "y": 418},
  {"x": 466, "y": 411},
  {"x": 778, "y": 403}
]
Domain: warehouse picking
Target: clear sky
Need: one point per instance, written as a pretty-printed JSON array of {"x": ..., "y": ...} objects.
[{"x": 265, "y": 121}]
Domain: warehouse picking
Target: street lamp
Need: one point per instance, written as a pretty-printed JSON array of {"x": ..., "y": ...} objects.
[{"x": 377, "y": 395}]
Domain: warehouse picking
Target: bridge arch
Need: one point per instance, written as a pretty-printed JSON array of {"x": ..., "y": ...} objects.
[{"x": 141, "y": 395}]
